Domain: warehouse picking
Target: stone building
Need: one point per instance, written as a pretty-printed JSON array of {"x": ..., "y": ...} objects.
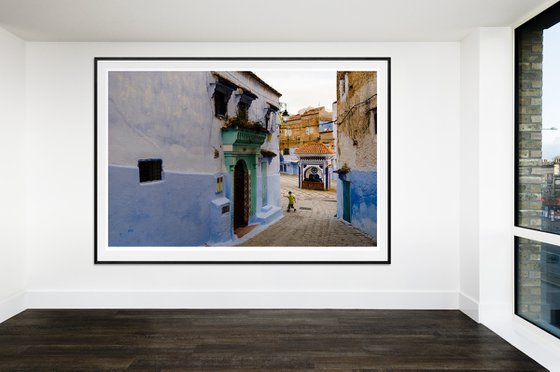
[
  {"x": 192, "y": 155},
  {"x": 357, "y": 149},
  {"x": 304, "y": 128}
]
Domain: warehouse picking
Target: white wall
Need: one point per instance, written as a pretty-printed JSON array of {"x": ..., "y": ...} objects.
[
  {"x": 12, "y": 181},
  {"x": 469, "y": 178},
  {"x": 496, "y": 186},
  {"x": 425, "y": 194},
  {"x": 487, "y": 153},
  {"x": 487, "y": 174},
  {"x": 486, "y": 258},
  {"x": 442, "y": 116}
]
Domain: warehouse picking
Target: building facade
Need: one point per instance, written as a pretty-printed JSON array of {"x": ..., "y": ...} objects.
[
  {"x": 192, "y": 155},
  {"x": 309, "y": 126},
  {"x": 357, "y": 149}
]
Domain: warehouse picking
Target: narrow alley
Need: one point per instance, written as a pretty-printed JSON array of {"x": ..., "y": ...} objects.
[{"x": 313, "y": 224}]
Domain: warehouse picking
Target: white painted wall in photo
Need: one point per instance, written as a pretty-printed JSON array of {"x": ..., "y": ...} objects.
[
  {"x": 425, "y": 194},
  {"x": 12, "y": 182}
]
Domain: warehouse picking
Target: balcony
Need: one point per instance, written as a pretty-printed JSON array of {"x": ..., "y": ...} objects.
[{"x": 242, "y": 137}]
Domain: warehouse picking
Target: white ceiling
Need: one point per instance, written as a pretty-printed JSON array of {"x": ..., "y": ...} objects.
[{"x": 257, "y": 20}]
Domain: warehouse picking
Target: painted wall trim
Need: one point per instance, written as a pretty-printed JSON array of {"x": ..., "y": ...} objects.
[
  {"x": 469, "y": 307},
  {"x": 536, "y": 343},
  {"x": 12, "y": 306},
  {"x": 424, "y": 300}
]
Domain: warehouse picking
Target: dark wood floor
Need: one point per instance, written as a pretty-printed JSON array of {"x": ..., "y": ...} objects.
[{"x": 253, "y": 339}]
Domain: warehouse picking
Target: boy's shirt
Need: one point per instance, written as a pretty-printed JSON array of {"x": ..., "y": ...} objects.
[{"x": 292, "y": 199}]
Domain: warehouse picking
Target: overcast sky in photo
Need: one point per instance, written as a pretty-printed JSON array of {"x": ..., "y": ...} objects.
[
  {"x": 301, "y": 89},
  {"x": 551, "y": 92}
]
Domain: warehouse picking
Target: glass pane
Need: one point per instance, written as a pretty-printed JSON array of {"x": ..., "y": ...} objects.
[
  {"x": 538, "y": 118},
  {"x": 538, "y": 284}
]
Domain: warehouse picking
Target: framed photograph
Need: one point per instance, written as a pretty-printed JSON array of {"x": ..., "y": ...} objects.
[{"x": 242, "y": 160}]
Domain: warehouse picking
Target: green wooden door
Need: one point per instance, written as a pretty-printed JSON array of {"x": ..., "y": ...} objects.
[{"x": 346, "y": 215}]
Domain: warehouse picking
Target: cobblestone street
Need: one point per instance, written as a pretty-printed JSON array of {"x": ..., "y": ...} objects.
[{"x": 313, "y": 224}]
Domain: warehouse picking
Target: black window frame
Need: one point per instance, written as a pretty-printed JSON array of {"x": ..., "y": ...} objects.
[{"x": 546, "y": 19}]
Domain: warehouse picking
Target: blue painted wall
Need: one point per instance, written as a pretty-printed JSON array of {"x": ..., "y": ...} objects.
[
  {"x": 272, "y": 211},
  {"x": 292, "y": 168},
  {"x": 259, "y": 191},
  {"x": 274, "y": 190},
  {"x": 334, "y": 176},
  {"x": 363, "y": 196},
  {"x": 178, "y": 211}
]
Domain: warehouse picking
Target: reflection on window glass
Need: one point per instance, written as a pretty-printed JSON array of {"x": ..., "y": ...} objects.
[
  {"x": 538, "y": 284},
  {"x": 538, "y": 168}
]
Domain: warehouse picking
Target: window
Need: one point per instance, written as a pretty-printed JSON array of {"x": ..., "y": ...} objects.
[
  {"x": 243, "y": 111},
  {"x": 245, "y": 100},
  {"x": 222, "y": 94},
  {"x": 270, "y": 118},
  {"x": 149, "y": 170},
  {"x": 537, "y": 168},
  {"x": 220, "y": 104},
  {"x": 267, "y": 119}
]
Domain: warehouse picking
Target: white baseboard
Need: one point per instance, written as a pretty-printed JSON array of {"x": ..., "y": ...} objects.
[
  {"x": 242, "y": 299},
  {"x": 12, "y": 306},
  {"x": 536, "y": 343},
  {"x": 494, "y": 312},
  {"x": 484, "y": 312},
  {"x": 469, "y": 307}
]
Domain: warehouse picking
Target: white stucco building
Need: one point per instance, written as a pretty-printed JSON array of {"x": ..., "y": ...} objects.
[{"x": 192, "y": 155}]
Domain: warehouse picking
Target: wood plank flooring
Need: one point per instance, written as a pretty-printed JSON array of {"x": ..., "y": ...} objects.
[{"x": 223, "y": 340}]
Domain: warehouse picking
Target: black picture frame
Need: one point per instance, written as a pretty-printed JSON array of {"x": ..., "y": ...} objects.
[{"x": 97, "y": 166}]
